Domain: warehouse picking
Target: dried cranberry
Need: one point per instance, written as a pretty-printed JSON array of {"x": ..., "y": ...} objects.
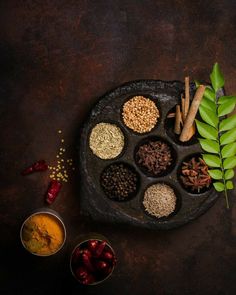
[
  {"x": 37, "y": 166},
  {"x": 53, "y": 190}
]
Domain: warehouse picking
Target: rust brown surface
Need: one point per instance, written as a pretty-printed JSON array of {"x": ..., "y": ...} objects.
[{"x": 56, "y": 59}]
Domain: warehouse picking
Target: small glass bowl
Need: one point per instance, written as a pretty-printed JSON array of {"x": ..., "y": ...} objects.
[
  {"x": 54, "y": 215},
  {"x": 98, "y": 275}
]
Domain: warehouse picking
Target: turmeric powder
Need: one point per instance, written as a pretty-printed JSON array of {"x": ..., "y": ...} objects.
[{"x": 43, "y": 234}]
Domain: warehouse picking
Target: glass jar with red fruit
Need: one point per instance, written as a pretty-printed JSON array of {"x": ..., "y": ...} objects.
[{"x": 92, "y": 260}]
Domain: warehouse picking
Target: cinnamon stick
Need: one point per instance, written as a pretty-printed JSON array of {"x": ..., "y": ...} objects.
[
  {"x": 192, "y": 114},
  {"x": 182, "y": 105},
  {"x": 187, "y": 97},
  {"x": 177, "y": 128}
]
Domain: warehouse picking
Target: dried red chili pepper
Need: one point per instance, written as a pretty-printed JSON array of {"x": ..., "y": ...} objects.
[
  {"x": 99, "y": 249},
  {"x": 53, "y": 190},
  {"x": 37, "y": 166},
  {"x": 92, "y": 245},
  {"x": 87, "y": 262}
]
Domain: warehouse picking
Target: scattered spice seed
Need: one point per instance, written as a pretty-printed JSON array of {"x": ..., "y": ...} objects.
[
  {"x": 119, "y": 182},
  {"x": 194, "y": 174},
  {"x": 159, "y": 200},
  {"x": 106, "y": 141},
  {"x": 140, "y": 114},
  {"x": 37, "y": 166},
  {"x": 155, "y": 157}
]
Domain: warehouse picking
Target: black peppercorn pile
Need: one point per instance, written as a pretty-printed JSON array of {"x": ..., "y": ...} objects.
[
  {"x": 119, "y": 182},
  {"x": 154, "y": 156}
]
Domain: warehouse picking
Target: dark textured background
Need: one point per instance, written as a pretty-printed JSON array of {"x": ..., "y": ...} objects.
[{"x": 56, "y": 59}]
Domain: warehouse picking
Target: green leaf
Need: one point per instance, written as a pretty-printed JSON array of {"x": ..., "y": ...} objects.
[
  {"x": 215, "y": 174},
  {"x": 209, "y": 94},
  {"x": 197, "y": 83},
  {"x": 212, "y": 160},
  {"x": 228, "y": 123},
  {"x": 224, "y": 99},
  {"x": 229, "y": 184},
  {"x": 228, "y": 137},
  {"x": 206, "y": 131},
  {"x": 229, "y": 174},
  {"x": 208, "y": 116},
  {"x": 229, "y": 150},
  {"x": 226, "y": 108},
  {"x": 208, "y": 104},
  {"x": 210, "y": 146},
  {"x": 217, "y": 78},
  {"x": 219, "y": 186},
  {"x": 229, "y": 163}
]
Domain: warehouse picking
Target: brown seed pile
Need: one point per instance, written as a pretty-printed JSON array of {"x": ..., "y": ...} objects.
[
  {"x": 140, "y": 114},
  {"x": 106, "y": 140},
  {"x": 159, "y": 200},
  {"x": 194, "y": 174},
  {"x": 119, "y": 182},
  {"x": 154, "y": 156}
]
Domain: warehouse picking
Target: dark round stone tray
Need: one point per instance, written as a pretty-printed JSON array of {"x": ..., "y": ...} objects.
[{"x": 108, "y": 109}]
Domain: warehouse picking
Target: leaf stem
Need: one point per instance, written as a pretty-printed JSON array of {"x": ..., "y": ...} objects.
[{"x": 220, "y": 155}]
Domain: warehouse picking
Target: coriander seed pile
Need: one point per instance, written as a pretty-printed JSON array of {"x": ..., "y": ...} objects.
[
  {"x": 106, "y": 141},
  {"x": 140, "y": 114},
  {"x": 119, "y": 182},
  {"x": 159, "y": 200}
]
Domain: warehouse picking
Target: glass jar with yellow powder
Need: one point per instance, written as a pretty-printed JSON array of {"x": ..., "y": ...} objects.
[{"x": 43, "y": 233}]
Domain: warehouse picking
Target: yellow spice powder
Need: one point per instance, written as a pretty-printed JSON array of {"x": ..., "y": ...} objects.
[{"x": 43, "y": 234}]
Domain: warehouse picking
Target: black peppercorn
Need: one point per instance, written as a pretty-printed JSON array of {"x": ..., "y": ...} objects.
[{"x": 119, "y": 182}]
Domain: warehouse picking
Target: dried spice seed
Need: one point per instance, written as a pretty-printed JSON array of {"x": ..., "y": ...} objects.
[
  {"x": 159, "y": 200},
  {"x": 140, "y": 114},
  {"x": 119, "y": 182},
  {"x": 155, "y": 157},
  {"x": 106, "y": 141},
  {"x": 194, "y": 174}
]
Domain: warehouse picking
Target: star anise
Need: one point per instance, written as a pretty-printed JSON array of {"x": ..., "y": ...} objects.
[{"x": 194, "y": 174}]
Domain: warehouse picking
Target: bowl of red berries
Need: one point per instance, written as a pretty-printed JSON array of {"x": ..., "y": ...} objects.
[{"x": 92, "y": 261}]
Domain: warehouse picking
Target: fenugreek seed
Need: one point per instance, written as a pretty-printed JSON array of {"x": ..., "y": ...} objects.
[
  {"x": 67, "y": 160},
  {"x": 62, "y": 140},
  {"x": 70, "y": 164},
  {"x": 62, "y": 160},
  {"x": 73, "y": 168},
  {"x": 59, "y": 131},
  {"x": 58, "y": 156},
  {"x": 63, "y": 167}
]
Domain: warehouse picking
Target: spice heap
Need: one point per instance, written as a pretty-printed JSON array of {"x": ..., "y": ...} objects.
[
  {"x": 159, "y": 200},
  {"x": 155, "y": 157},
  {"x": 140, "y": 114},
  {"x": 119, "y": 182},
  {"x": 92, "y": 261},
  {"x": 43, "y": 234},
  {"x": 185, "y": 113},
  {"x": 106, "y": 140},
  {"x": 194, "y": 174}
]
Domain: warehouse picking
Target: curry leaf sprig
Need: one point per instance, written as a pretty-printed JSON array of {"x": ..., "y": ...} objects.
[{"x": 218, "y": 133}]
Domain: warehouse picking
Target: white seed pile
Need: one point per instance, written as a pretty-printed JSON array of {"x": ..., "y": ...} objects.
[
  {"x": 140, "y": 114},
  {"x": 159, "y": 200},
  {"x": 106, "y": 141}
]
